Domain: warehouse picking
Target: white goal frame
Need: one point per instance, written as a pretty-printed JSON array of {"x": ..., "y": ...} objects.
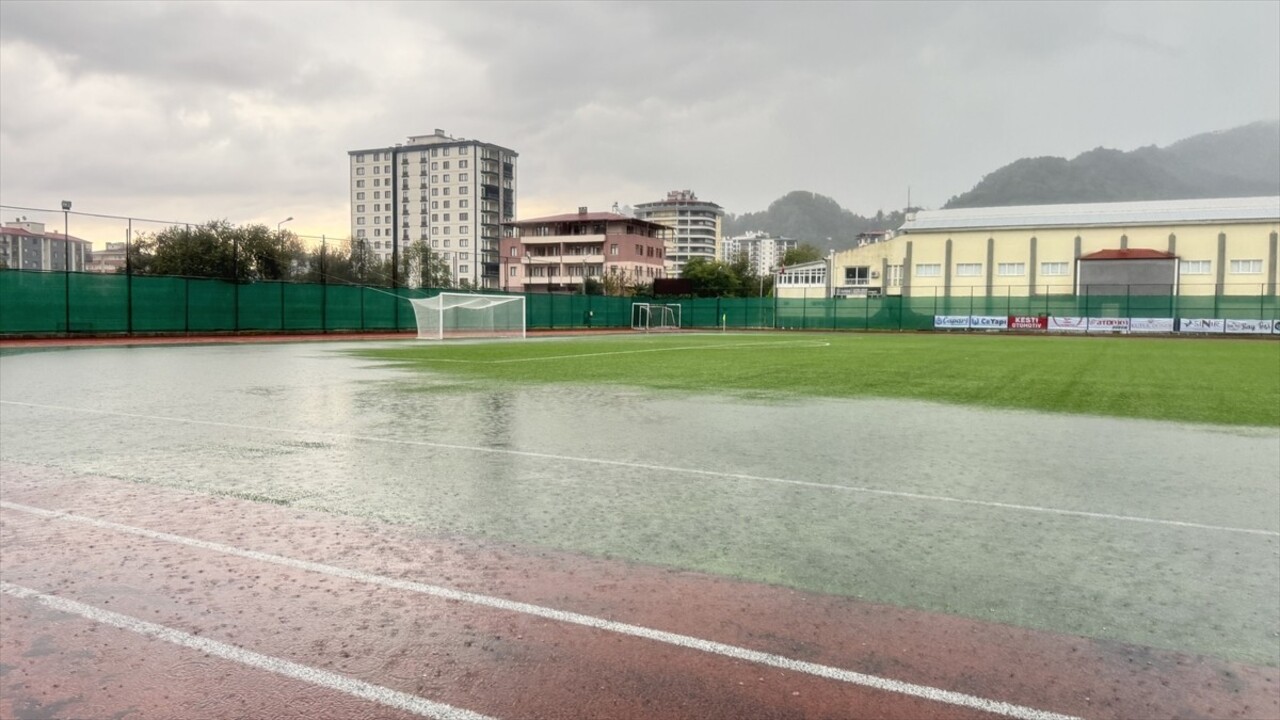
[
  {"x": 469, "y": 315},
  {"x": 655, "y": 316}
]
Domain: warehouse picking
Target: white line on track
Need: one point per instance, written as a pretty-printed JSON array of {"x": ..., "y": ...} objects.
[
  {"x": 727, "y": 346},
  {"x": 685, "y": 641},
  {"x": 671, "y": 469},
  {"x": 305, "y": 673}
]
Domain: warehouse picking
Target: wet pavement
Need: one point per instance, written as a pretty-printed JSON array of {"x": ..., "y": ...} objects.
[{"x": 1151, "y": 535}]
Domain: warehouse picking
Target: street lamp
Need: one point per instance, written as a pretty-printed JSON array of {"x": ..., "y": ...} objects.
[
  {"x": 66, "y": 262},
  {"x": 282, "y": 222}
]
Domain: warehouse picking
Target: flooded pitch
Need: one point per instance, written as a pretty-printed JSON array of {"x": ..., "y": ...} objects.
[{"x": 1158, "y": 534}]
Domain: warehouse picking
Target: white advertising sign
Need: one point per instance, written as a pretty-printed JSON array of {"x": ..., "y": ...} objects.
[
  {"x": 1151, "y": 325},
  {"x": 1067, "y": 324},
  {"x": 950, "y": 322},
  {"x": 1200, "y": 325},
  {"x": 989, "y": 322},
  {"x": 1108, "y": 325},
  {"x": 1250, "y": 327}
]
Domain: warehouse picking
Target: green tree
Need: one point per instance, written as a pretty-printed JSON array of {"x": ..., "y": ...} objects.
[
  {"x": 712, "y": 278},
  {"x": 803, "y": 253}
]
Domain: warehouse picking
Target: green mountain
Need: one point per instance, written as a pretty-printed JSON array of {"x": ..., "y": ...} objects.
[
  {"x": 811, "y": 218},
  {"x": 1241, "y": 162}
]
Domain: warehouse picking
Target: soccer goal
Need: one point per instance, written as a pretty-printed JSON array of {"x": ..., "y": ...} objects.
[
  {"x": 465, "y": 315},
  {"x": 655, "y": 316}
]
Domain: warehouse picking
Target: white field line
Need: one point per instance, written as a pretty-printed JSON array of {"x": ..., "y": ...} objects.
[
  {"x": 727, "y": 346},
  {"x": 685, "y": 641},
  {"x": 672, "y": 469},
  {"x": 305, "y": 673}
]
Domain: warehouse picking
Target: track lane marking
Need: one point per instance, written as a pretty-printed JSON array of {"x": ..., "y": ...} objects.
[
  {"x": 898, "y": 687},
  {"x": 234, "y": 653},
  {"x": 671, "y": 469}
]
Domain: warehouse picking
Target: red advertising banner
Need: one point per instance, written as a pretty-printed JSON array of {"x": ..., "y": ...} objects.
[{"x": 1028, "y": 322}]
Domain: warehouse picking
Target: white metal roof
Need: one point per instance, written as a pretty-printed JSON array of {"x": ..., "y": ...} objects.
[{"x": 1155, "y": 212}]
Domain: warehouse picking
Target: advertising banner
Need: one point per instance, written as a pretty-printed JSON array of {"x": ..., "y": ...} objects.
[
  {"x": 1109, "y": 325},
  {"x": 989, "y": 322},
  {"x": 1067, "y": 324},
  {"x": 1250, "y": 327},
  {"x": 950, "y": 322},
  {"x": 1201, "y": 325},
  {"x": 1028, "y": 323},
  {"x": 1151, "y": 325}
]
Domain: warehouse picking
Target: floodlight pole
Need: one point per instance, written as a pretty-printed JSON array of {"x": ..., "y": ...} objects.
[{"x": 66, "y": 262}]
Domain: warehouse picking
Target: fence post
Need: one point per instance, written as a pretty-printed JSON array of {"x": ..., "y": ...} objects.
[
  {"x": 186, "y": 306},
  {"x": 281, "y": 306}
]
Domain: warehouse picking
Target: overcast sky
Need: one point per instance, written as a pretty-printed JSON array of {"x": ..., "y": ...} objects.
[{"x": 246, "y": 111}]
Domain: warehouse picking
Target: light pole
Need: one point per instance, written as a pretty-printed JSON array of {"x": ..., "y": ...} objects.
[
  {"x": 66, "y": 260},
  {"x": 281, "y": 238}
]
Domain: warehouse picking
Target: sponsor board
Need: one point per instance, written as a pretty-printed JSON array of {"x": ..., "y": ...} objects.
[
  {"x": 1067, "y": 324},
  {"x": 1250, "y": 327},
  {"x": 1151, "y": 325},
  {"x": 989, "y": 322},
  {"x": 951, "y": 322},
  {"x": 1201, "y": 325},
  {"x": 1108, "y": 325},
  {"x": 1028, "y": 322}
]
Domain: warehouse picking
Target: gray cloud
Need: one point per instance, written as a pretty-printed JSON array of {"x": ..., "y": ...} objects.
[{"x": 242, "y": 109}]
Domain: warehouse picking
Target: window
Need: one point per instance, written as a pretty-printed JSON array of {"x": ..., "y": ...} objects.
[
  {"x": 462, "y": 177},
  {"x": 446, "y": 230},
  {"x": 435, "y": 243},
  {"x": 435, "y": 204},
  {"x": 639, "y": 249},
  {"x": 464, "y": 256},
  {"x": 435, "y": 217},
  {"x": 512, "y": 270},
  {"x": 434, "y": 153},
  {"x": 388, "y": 220},
  {"x": 613, "y": 249},
  {"x": 446, "y": 177},
  {"x": 435, "y": 231},
  {"x": 359, "y": 208},
  {"x": 1196, "y": 267},
  {"x": 446, "y": 217},
  {"x": 446, "y": 165},
  {"x": 359, "y": 221},
  {"x": 435, "y": 166},
  {"x": 377, "y": 182},
  {"x": 464, "y": 216},
  {"x": 435, "y": 178},
  {"x": 464, "y": 203},
  {"x": 462, "y": 163},
  {"x": 464, "y": 229},
  {"x": 446, "y": 242},
  {"x": 464, "y": 242},
  {"x": 446, "y": 204},
  {"x": 376, "y": 169},
  {"x": 360, "y": 171},
  {"x": 446, "y": 191},
  {"x": 1246, "y": 267},
  {"x": 928, "y": 269},
  {"x": 377, "y": 208},
  {"x": 1053, "y": 268},
  {"x": 857, "y": 275},
  {"x": 359, "y": 183},
  {"x": 446, "y": 152},
  {"x": 463, "y": 190},
  {"x": 360, "y": 157},
  {"x": 895, "y": 276},
  {"x": 387, "y": 168},
  {"x": 377, "y": 232},
  {"x": 515, "y": 251},
  {"x": 377, "y": 194},
  {"x": 968, "y": 269},
  {"x": 435, "y": 191},
  {"x": 1011, "y": 269},
  {"x": 359, "y": 196}
]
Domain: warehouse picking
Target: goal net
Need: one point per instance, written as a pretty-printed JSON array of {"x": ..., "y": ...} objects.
[
  {"x": 655, "y": 316},
  {"x": 463, "y": 315}
]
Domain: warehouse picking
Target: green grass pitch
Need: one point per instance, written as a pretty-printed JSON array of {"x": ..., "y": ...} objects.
[{"x": 1218, "y": 381}]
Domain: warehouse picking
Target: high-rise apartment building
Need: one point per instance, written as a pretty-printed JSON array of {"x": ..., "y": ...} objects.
[
  {"x": 451, "y": 193},
  {"x": 697, "y": 226},
  {"x": 764, "y": 252}
]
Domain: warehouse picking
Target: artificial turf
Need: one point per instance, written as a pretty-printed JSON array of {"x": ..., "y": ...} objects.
[{"x": 1218, "y": 381}]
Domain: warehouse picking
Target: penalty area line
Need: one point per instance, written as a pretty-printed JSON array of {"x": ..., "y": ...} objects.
[
  {"x": 234, "y": 653},
  {"x": 689, "y": 642}
]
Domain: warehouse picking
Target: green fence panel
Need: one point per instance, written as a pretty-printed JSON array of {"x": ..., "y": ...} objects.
[
  {"x": 32, "y": 302},
  {"x": 211, "y": 305},
  {"x": 304, "y": 307},
  {"x": 343, "y": 307},
  {"x": 379, "y": 309},
  {"x": 159, "y": 304},
  {"x": 260, "y": 306},
  {"x": 99, "y": 303}
]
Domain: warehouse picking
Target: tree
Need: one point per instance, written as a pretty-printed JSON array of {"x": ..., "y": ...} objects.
[
  {"x": 801, "y": 254},
  {"x": 421, "y": 267},
  {"x": 712, "y": 278}
]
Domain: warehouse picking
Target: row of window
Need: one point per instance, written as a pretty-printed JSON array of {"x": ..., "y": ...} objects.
[
  {"x": 435, "y": 152},
  {"x": 1017, "y": 269}
]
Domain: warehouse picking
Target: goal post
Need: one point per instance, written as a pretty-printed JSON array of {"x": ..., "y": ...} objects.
[
  {"x": 655, "y": 316},
  {"x": 469, "y": 315}
]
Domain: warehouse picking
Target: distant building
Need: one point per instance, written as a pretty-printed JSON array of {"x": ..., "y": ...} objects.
[
  {"x": 25, "y": 245},
  {"x": 697, "y": 226},
  {"x": 111, "y": 260},
  {"x": 872, "y": 237},
  {"x": 764, "y": 252},
  {"x": 452, "y": 193},
  {"x": 558, "y": 253}
]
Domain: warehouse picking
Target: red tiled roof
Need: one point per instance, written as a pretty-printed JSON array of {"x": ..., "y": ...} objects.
[{"x": 1129, "y": 254}]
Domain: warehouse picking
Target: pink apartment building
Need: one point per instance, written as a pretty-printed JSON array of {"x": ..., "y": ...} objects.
[{"x": 557, "y": 253}]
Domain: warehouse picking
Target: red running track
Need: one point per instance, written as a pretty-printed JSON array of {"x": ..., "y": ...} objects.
[{"x": 355, "y": 613}]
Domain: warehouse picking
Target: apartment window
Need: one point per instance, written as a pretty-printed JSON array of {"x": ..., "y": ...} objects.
[
  {"x": 388, "y": 219},
  {"x": 446, "y": 166},
  {"x": 359, "y": 183},
  {"x": 435, "y": 217},
  {"x": 464, "y": 203},
  {"x": 387, "y": 168},
  {"x": 376, "y": 169},
  {"x": 446, "y": 230},
  {"x": 446, "y": 177},
  {"x": 377, "y": 232},
  {"x": 446, "y": 217},
  {"x": 434, "y": 153},
  {"x": 377, "y": 207},
  {"x": 462, "y": 164},
  {"x": 1053, "y": 268},
  {"x": 435, "y": 166},
  {"x": 464, "y": 242},
  {"x": 968, "y": 269},
  {"x": 446, "y": 191},
  {"x": 435, "y": 243},
  {"x": 446, "y": 152},
  {"x": 464, "y": 216},
  {"x": 360, "y": 157},
  {"x": 1011, "y": 269},
  {"x": 435, "y": 204},
  {"x": 446, "y": 242},
  {"x": 360, "y": 233},
  {"x": 377, "y": 182},
  {"x": 515, "y": 251},
  {"x": 464, "y": 229},
  {"x": 464, "y": 256},
  {"x": 639, "y": 249},
  {"x": 1246, "y": 267},
  {"x": 857, "y": 275},
  {"x": 435, "y": 192},
  {"x": 435, "y": 231},
  {"x": 359, "y": 196},
  {"x": 613, "y": 249},
  {"x": 359, "y": 171},
  {"x": 446, "y": 204},
  {"x": 928, "y": 269},
  {"x": 359, "y": 208},
  {"x": 435, "y": 178},
  {"x": 462, "y": 177},
  {"x": 511, "y": 271},
  {"x": 895, "y": 276},
  {"x": 463, "y": 190},
  {"x": 1196, "y": 267},
  {"x": 359, "y": 221}
]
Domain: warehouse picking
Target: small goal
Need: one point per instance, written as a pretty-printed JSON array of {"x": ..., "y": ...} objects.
[
  {"x": 468, "y": 315},
  {"x": 655, "y": 316}
]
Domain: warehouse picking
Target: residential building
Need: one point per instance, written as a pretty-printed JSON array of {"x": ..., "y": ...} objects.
[
  {"x": 452, "y": 193},
  {"x": 110, "y": 260},
  {"x": 24, "y": 245},
  {"x": 1219, "y": 246},
  {"x": 697, "y": 225},
  {"x": 764, "y": 252},
  {"x": 558, "y": 253}
]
